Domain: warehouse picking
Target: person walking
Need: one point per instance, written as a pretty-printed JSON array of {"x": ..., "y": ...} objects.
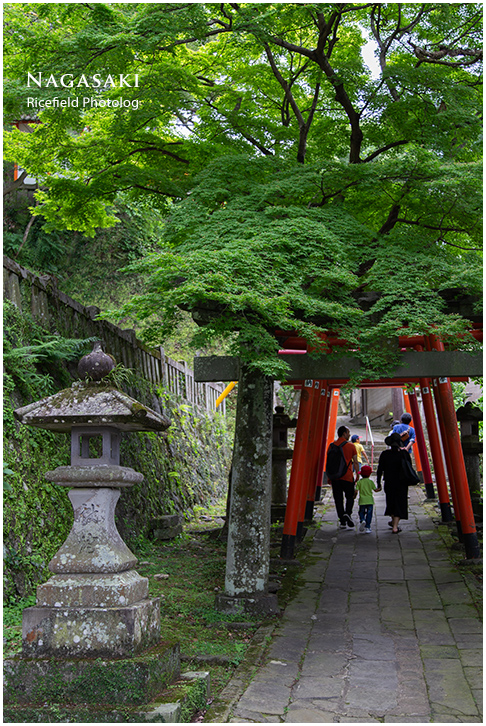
[
  {"x": 365, "y": 488},
  {"x": 407, "y": 432},
  {"x": 341, "y": 460},
  {"x": 360, "y": 450},
  {"x": 390, "y": 466}
]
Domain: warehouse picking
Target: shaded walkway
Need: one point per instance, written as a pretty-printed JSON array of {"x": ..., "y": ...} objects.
[{"x": 384, "y": 629}]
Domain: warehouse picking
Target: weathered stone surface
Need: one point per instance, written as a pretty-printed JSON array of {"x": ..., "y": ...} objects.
[
  {"x": 92, "y": 476},
  {"x": 90, "y": 632},
  {"x": 363, "y": 652},
  {"x": 447, "y": 686},
  {"x": 95, "y": 404},
  {"x": 259, "y": 604},
  {"x": 166, "y": 527},
  {"x": 248, "y": 550},
  {"x": 112, "y": 590},
  {"x": 97, "y": 364},
  {"x": 125, "y": 681},
  {"x": 93, "y": 544}
]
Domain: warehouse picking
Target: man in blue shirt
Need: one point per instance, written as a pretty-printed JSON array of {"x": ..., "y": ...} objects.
[{"x": 404, "y": 428}]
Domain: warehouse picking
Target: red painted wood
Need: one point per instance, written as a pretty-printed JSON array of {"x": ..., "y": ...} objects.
[{"x": 298, "y": 460}]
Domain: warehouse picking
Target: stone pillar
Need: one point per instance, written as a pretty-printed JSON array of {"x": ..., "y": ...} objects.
[
  {"x": 280, "y": 455},
  {"x": 248, "y": 551},
  {"x": 469, "y": 417},
  {"x": 397, "y": 403}
]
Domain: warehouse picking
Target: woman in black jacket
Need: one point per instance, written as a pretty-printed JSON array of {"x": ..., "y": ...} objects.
[{"x": 396, "y": 493}]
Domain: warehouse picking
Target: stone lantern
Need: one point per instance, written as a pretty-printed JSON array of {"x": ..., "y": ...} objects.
[
  {"x": 281, "y": 453},
  {"x": 469, "y": 417},
  {"x": 95, "y": 604}
]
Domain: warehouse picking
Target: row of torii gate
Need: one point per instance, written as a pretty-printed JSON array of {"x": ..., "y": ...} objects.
[{"x": 424, "y": 363}]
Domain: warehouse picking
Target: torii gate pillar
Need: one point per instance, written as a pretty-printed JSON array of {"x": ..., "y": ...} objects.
[{"x": 248, "y": 552}]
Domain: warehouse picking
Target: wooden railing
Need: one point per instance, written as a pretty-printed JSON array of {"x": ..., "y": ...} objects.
[{"x": 58, "y": 312}]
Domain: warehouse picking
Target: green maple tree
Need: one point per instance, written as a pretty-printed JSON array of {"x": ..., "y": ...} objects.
[{"x": 295, "y": 180}]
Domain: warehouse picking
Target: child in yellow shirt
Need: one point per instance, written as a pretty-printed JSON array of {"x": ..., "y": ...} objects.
[{"x": 360, "y": 450}]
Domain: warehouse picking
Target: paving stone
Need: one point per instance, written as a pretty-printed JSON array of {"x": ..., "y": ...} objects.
[
  {"x": 333, "y": 599},
  {"x": 301, "y": 712},
  {"x": 460, "y": 610},
  {"x": 389, "y": 551},
  {"x": 448, "y": 687},
  {"x": 453, "y": 594},
  {"x": 287, "y": 648},
  {"x": 414, "y": 557},
  {"x": 364, "y": 624},
  {"x": 439, "y": 651},
  {"x": 417, "y": 572},
  {"x": 397, "y": 615},
  {"x": 390, "y": 573},
  {"x": 330, "y": 622},
  {"x": 274, "y": 699},
  {"x": 393, "y": 594},
  {"x": 468, "y": 626},
  {"x": 478, "y": 698},
  {"x": 243, "y": 715},
  {"x": 377, "y": 648},
  {"x": 324, "y": 663},
  {"x": 316, "y": 572},
  {"x": 370, "y": 595},
  {"x": 359, "y": 719},
  {"x": 443, "y": 574},
  {"x": 278, "y": 671},
  {"x": 471, "y": 657},
  {"x": 474, "y": 676},
  {"x": 438, "y": 717},
  {"x": 437, "y": 554},
  {"x": 325, "y": 642},
  {"x": 375, "y": 687},
  {"x": 368, "y": 585},
  {"x": 319, "y": 688},
  {"x": 423, "y": 595},
  {"x": 404, "y": 718}
]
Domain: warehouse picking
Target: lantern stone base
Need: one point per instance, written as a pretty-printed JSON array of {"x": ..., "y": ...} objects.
[
  {"x": 146, "y": 688},
  {"x": 149, "y": 687},
  {"x": 70, "y": 632},
  {"x": 258, "y": 604},
  {"x": 98, "y": 681},
  {"x": 95, "y": 590},
  {"x": 177, "y": 703}
]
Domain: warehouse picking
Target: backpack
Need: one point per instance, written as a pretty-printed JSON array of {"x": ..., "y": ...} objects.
[{"x": 336, "y": 465}]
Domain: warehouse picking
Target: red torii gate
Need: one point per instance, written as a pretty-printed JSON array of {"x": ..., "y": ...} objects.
[{"x": 316, "y": 427}]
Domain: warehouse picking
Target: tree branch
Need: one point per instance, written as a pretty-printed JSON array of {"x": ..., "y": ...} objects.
[
  {"x": 437, "y": 228},
  {"x": 385, "y": 148},
  {"x": 15, "y": 184},
  {"x": 437, "y": 56},
  {"x": 26, "y": 234}
]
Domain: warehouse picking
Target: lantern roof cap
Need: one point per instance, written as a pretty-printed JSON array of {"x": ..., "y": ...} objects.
[
  {"x": 468, "y": 412},
  {"x": 91, "y": 404}
]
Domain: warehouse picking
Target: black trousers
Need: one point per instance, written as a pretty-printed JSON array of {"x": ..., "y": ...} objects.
[{"x": 343, "y": 489}]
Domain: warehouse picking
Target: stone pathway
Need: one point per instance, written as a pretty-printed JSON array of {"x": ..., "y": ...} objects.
[{"x": 383, "y": 630}]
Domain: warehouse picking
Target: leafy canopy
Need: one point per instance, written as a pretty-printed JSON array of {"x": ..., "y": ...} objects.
[{"x": 295, "y": 179}]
